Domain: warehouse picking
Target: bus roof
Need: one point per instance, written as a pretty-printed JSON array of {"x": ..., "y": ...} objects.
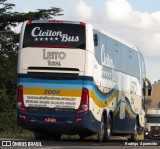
[{"x": 117, "y": 38}]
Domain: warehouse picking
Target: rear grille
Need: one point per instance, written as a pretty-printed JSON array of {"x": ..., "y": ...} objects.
[
  {"x": 53, "y": 68},
  {"x": 155, "y": 132},
  {"x": 53, "y": 73},
  {"x": 155, "y": 128}
]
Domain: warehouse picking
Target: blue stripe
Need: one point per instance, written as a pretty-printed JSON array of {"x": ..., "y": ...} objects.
[
  {"x": 40, "y": 85},
  {"x": 129, "y": 105},
  {"x": 104, "y": 97},
  {"x": 37, "y": 81}
]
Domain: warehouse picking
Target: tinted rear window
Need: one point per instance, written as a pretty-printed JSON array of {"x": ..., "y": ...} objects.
[{"x": 54, "y": 35}]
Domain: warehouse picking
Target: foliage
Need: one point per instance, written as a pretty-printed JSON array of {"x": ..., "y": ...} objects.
[
  {"x": 8, "y": 59},
  {"x": 9, "y": 18}
]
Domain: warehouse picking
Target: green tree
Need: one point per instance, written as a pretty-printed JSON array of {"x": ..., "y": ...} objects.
[{"x": 8, "y": 59}]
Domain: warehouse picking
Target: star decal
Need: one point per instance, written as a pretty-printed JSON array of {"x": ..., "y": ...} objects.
[
  {"x": 56, "y": 38},
  {"x": 51, "y": 39},
  {"x": 46, "y": 39},
  {"x": 36, "y": 39}
]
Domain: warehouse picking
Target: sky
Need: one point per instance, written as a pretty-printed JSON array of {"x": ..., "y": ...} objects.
[{"x": 137, "y": 21}]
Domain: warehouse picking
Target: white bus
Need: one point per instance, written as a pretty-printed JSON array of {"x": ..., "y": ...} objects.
[
  {"x": 152, "y": 126},
  {"x": 74, "y": 78}
]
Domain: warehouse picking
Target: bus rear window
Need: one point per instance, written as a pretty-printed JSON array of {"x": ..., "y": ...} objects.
[{"x": 59, "y": 35}]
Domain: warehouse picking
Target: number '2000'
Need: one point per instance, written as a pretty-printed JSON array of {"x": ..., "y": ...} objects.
[{"x": 51, "y": 91}]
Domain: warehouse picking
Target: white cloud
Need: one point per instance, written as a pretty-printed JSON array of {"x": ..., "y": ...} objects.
[
  {"x": 118, "y": 10},
  {"x": 142, "y": 28},
  {"x": 84, "y": 11},
  {"x": 119, "y": 17},
  {"x": 17, "y": 28},
  {"x": 25, "y": 9}
]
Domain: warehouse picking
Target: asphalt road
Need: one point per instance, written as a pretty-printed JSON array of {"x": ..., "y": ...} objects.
[{"x": 76, "y": 144}]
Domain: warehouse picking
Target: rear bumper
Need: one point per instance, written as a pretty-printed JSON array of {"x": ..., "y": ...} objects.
[{"x": 66, "y": 124}]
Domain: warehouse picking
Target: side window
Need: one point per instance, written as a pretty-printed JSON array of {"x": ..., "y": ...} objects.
[
  {"x": 103, "y": 46},
  {"x": 124, "y": 57},
  {"x": 117, "y": 56},
  {"x": 133, "y": 63},
  {"x": 137, "y": 67},
  {"x": 100, "y": 47},
  {"x": 110, "y": 48},
  {"x": 142, "y": 63},
  {"x": 130, "y": 62}
]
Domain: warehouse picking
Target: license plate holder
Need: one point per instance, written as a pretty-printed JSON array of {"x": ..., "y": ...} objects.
[{"x": 50, "y": 119}]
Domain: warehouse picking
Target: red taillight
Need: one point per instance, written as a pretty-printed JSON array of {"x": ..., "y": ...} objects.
[
  {"x": 20, "y": 102},
  {"x": 84, "y": 105},
  {"x": 82, "y": 23},
  {"x": 29, "y": 22}
]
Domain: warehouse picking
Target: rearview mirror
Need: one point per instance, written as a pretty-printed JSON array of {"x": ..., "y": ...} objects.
[{"x": 95, "y": 39}]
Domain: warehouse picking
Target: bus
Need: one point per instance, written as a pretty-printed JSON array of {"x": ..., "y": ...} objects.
[
  {"x": 74, "y": 78},
  {"x": 152, "y": 126}
]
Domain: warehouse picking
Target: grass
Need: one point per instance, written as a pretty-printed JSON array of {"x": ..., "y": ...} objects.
[{"x": 23, "y": 134}]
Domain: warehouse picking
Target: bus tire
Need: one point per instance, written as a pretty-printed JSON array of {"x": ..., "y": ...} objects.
[
  {"x": 108, "y": 128},
  {"x": 41, "y": 136},
  {"x": 134, "y": 135},
  {"x": 82, "y": 136},
  {"x": 102, "y": 133},
  {"x": 56, "y": 137}
]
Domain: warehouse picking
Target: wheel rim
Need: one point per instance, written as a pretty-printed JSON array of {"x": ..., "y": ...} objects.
[
  {"x": 136, "y": 130},
  {"x": 101, "y": 133},
  {"x": 135, "y": 133},
  {"x": 108, "y": 130}
]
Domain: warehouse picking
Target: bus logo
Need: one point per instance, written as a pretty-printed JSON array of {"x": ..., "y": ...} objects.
[{"x": 53, "y": 55}]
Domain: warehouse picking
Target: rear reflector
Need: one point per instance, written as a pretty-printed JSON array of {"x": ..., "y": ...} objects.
[
  {"x": 23, "y": 117},
  {"x": 79, "y": 119},
  {"x": 20, "y": 102}
]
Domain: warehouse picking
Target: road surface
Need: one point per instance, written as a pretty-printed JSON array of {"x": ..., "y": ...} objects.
[{"x": 75, "y": 143}]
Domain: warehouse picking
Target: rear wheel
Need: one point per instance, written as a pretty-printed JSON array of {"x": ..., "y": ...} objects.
[
  {"x": 108, "y": 128},
  {"x": 83, "y": 136},
  {"x": 102, "y": 133},
  {"x": 134, "y": 135}
]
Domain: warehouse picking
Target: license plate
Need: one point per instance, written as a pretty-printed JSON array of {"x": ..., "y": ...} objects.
[
  {"x": 52, "y": 120},
  {"x": 156, "y": 135}
]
